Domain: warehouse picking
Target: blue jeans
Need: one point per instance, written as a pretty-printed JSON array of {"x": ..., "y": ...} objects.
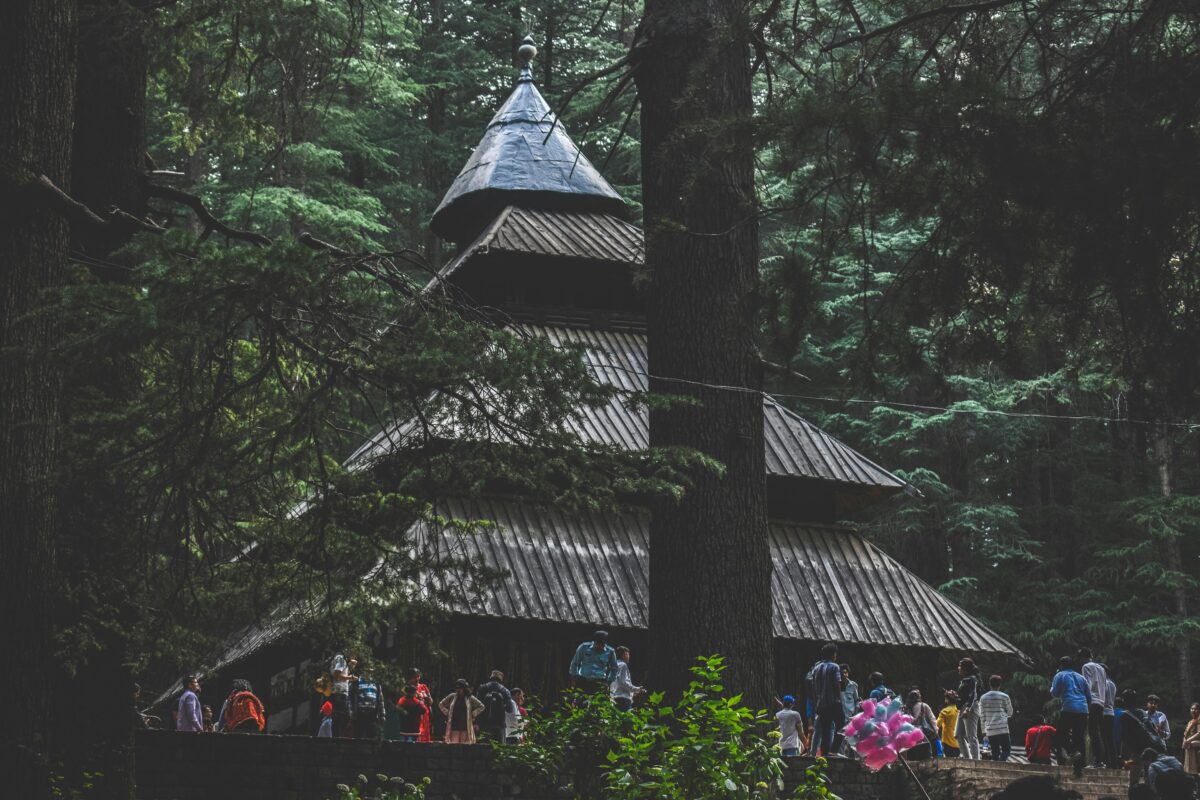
[
  {"x": 825, "y": 728},
  {"x": 404, "y": 737},
  {"x": 791, "y": 751},
  {"x": 623, "y": 703}
]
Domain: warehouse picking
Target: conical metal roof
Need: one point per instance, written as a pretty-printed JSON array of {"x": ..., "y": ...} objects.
[{"x": 525, "y": 159}]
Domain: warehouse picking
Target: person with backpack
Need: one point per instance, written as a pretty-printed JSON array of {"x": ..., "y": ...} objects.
[
  {"x": 461, "y": 709},
  {"x": 923, "y": 718},
  {"x": 1137, "y": 732},
  {"x": 242, "y": 711},
  {"x": 497, "y": 703},
  {"x": 1039, "y": 742},
  {"x": 878, "y": 690},
  {"x": 413, "y": 714},
  {"x": 967, "y": 729},
  {"x": 367, "y": 708}
]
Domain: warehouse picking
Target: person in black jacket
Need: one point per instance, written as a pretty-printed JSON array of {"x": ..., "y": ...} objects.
[
  {"x": 967, "y": 730},
  {"x": 497, "y": 703}
]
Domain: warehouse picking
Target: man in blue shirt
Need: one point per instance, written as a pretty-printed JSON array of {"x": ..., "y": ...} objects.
[
  {"x": 1070, "y": 687},
  {"x": 594, "y": 663},
  {"x": 825, "y": 689}
]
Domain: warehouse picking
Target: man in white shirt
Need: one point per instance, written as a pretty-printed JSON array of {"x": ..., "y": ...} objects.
[
  {"x": 622, "y": 689},
  {"x": 1156, "y": 718},
  {"x": 1097, "y": 683},
  {"x": 789, "y": 720},
  {"x": 995, "y": 707}
]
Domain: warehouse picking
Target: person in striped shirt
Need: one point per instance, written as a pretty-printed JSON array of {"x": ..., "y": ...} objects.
[{"x": 995, "y": 707}]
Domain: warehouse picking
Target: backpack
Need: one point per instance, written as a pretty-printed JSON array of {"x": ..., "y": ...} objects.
[
  {"x": 1154, "y": 741},
  {"x": 366, "y": 696},
  {"x": 495, "y": 706},
  {"x": 243, "y": 707}
]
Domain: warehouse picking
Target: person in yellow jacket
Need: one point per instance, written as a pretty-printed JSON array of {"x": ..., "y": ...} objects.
[{"x": 946, "y": 722}]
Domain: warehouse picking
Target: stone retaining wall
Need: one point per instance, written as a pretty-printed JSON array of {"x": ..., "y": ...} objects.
[{"x": 180, "y": 766}]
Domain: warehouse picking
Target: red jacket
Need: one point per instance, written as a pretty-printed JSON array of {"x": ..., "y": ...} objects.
[{"x": 1043, "y": 736}]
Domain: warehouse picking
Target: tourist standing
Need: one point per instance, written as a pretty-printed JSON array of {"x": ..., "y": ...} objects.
[
  {"x": 341, "y": 675},
  {"x": 594, "y": 663},
  {"x": 413, "y": 714},
  {"x": 514, "y": 725},
  {"x": 1136, "y": 731},
  {"x": 947, "y": 722},
  {"x": 242, "y": 711},
  {"x": 207, "y": 714},
  {"x": 825, "y": 689},
  {"x": 622, "y": 689},
  {"x": 1191, "y": 742},
  {"x": 967, "y": 729},
  {"x": 497, "y": 703},
  {"x": 850, "y": 702},
  {"x": 1097, "y": 682},
  {"x": 924, "y": 719},
  {"x": 325, "y": 729},
  {"x": 1156, "y": 718},
  {"x": 790, "y": 721},
  {"x": 878, "y": 690},
  {"x": 461, "y": 708},
  {"x": 187, "y": 714},
  {"x": 1070, "y": 687},
  {"x": 367, "y": 708},
  {"x": 1039, "y": 742},
  {"x": 425, "y": 697},
  {"x": 1109, "y": 728},
  {"x": 995, "y": 707}
]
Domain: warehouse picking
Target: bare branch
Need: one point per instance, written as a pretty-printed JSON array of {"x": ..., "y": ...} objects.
[
  {"x": 308, "y": 240},
  {"x": 76, "y": 211},
  {"x": 911, "y": 19},
  {"x": 211, "y": 223}
]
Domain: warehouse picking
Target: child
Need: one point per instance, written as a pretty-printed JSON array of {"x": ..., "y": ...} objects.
[
  {"x": 326, "y": 729},
  {"x": 947, "y": 720},
  {"x": 208, "y": 719},
  {"x": 412, "y": 712}
]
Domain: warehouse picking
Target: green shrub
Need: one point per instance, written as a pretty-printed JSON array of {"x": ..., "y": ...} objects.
[{"x": 708, "y": 746}]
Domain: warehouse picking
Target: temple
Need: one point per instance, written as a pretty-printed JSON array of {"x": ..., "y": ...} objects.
[{"x": 543, "y": 237}]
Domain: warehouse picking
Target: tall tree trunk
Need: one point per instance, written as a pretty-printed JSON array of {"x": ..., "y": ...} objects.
[
  {"x": 710, "y": 589},
  {"x": 1164, "y": 453},
  {"x": 37, "y": 84}
]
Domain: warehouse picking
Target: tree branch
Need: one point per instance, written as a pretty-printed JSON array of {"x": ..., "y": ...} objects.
[
  {"x": 76, "y": 211},
  {"x": 930, "y": 13},
  {"x": 211, "y": 223}
]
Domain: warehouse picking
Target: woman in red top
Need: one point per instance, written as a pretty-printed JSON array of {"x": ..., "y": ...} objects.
[{"x": 424, "y": 697}]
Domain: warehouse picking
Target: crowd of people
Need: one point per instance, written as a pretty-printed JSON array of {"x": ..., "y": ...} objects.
[{"x": 1096, "y": 725}]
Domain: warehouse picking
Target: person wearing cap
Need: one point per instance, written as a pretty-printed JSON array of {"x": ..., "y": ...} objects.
[
  {"x": 461, "y": 709},
  {"x": 790, "y": 722},
  {"x": 594, "y": 663}
]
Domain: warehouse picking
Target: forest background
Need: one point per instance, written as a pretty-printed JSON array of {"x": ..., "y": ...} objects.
[{"x": 979, "y": 232}]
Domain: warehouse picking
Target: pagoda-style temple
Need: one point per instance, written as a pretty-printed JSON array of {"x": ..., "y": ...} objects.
[{"x": 541, "y": 235}]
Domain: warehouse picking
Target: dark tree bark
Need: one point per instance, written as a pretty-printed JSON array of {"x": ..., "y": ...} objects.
[
  {"x": 37, "y": 82},
  {"x": 1164, "y": 453},
  {"x": 709, "y": 554}
]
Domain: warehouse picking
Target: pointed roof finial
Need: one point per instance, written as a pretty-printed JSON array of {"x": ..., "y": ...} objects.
[{"x": 526, "y": 52}]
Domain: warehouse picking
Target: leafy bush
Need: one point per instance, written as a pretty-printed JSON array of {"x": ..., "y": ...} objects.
[
  {"x": 384, "y": 788},
  {"x": 708, "y": 746}
]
